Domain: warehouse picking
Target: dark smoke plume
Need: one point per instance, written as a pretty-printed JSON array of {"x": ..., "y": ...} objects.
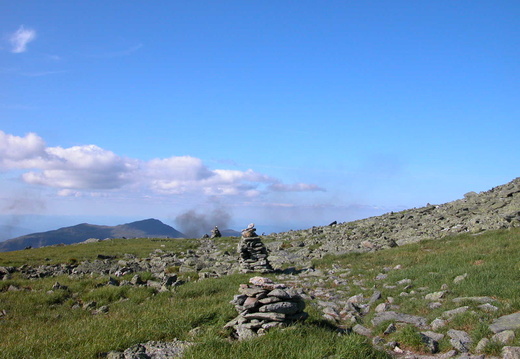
[
  {"x": 13, "y": 213},
  {"x": 195, "y": 225}
]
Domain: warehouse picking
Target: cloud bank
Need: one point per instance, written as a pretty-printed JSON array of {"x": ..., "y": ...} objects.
[
  {"x": 20, "y": 39},
  {"x": 91, "y": 168}
]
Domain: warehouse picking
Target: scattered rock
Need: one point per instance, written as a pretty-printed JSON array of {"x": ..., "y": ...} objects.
[
  {"x": 504, "y": 337},
  {"x": 417, "y": 321},
  {"x": 361, "y": 330},
  {"x": 460, "y": 340},
  {"x": 510, "y": 352},
  {"x": 435, "y": 296},
  {"x": 460, "y": 278},
  {"x": 482, "y": 345},
  {"x": 451, "y": 313},
  {"x": 507, "y": 322}
]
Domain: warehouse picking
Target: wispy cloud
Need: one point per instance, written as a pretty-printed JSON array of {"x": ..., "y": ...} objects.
[
  {"x": 43, "y": 73},
  {"x": 20, "y": 39}
]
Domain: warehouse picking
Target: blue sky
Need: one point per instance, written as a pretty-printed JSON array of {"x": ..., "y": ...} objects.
[{"x": 288, "y": 114}]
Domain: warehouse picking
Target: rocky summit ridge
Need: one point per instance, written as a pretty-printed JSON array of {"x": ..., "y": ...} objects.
[{"x": 497, "y": 208}]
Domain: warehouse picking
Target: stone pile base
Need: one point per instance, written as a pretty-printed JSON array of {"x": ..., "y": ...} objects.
[
  {"x": 263, "y": 305},
  {"x": 253, "y": 256}
]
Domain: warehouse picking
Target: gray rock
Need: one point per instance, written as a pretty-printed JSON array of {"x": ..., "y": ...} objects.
[
  {"x": 280, "y": 307},
  {"x": 488, "y": 308},
  {"x": 438, "y": 323},
  {"x": 448, "y": 354},
  {"x": 430, "y": 343},
  {"x": 115, "y": 355},
  {"x": 507, "y": 322},
  {"x": 390, "y": 329},
  {"x": 382, "y": 307},
  {"x": 375, "y": 297},
  {"x": 399, "y": 317},
  {"x": 460, "y": 340},
  {"x": 434, "y": 297},
  {"x": 482, "y": 345},
  {"x": 434, "y": 305},
  {"x": 436, "y": 336},
  {"x": 361, "y": 330},
  {"x": 406, "y": 281},
  {"x": 274, "y": 317},
  {"x": 157, "y": 350},
  {"x": 504, "y": 337},
  {"x": 451, "y": 313},
  {"x": 460, "y": 278},
  {"x": 510, "y": 352}
]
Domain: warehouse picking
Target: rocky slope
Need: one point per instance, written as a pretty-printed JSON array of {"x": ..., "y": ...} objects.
[{"x": 494, "y": 209}]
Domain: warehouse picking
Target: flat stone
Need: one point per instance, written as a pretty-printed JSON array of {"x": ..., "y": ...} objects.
[
  {"x": 382, "y": 307},
  {"x": 488, "y": 308},
  {"x": 275, "y": 317},
  {"x": 251, "y": 302},
  {"x": 251, "y": 291},
  {"x": 399, "y": 317},
  {"x": 434, "y": 305},
  {"x": 375, "y": 297},
  {"x": 280, "y": 293},
  {"x": 434, "y": 297},
  {"x": 460, "y": 340},
  {"x": 460, "y": 278},
  {"x": 361, "y": 330},
  {"x": 505, "y": 337},
  {"x": 438, "y": 323},
  {"x": 435, "y": 336},
  {"x": 356, "y": 299},
  {"x": 280, "y": 307},
  {"x": 507, "y": 322},
  {"x": 511, "y": 353},
  {"x": 451, "y": 313},
  {"x": 269, "y": 300},
  {"x": 406, "y": 281}
]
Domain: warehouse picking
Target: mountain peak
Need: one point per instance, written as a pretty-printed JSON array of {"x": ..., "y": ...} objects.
[{"x": 78, "y": 233}]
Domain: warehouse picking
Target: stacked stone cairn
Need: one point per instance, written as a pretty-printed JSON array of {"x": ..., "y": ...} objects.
[
  {"x": 253, "y": 253},
  {"x": 264, "y": 304}
]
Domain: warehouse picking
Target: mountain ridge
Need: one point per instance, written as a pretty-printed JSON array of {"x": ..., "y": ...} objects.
[{"x": 80, "y": 232}]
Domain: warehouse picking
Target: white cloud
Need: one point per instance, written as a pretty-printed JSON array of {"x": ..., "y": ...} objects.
[
  {"x": 81, "y": 167},
  {"x": 15, "y": 149},
  {"x": 89, "y": 167},
  {"x": 20, "y": 39}
]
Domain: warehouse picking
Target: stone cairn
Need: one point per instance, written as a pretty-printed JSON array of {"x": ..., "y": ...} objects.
[
  {"x": 253, "y": 253},
  {"x": 215, "y": 233},
  {"x": 264, "y": 305}
]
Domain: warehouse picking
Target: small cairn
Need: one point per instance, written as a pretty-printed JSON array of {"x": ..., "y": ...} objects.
[
  {"x": 253, "y": 253},
  {"x": 264, "y": 305},
  {"x": 215, "y": 233}
]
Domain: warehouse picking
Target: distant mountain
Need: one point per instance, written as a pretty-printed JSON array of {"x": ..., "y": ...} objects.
[
  {"x": 81, "y": 232},
  {"x": 230, "y": 233}
]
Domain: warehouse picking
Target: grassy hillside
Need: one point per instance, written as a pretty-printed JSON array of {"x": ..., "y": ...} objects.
[{"x": 39, "y": 322}]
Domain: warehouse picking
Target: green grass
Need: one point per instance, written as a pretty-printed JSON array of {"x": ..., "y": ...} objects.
[
  {"x": 43, "y": 324},
  {"x": 140, "y": 247}
]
